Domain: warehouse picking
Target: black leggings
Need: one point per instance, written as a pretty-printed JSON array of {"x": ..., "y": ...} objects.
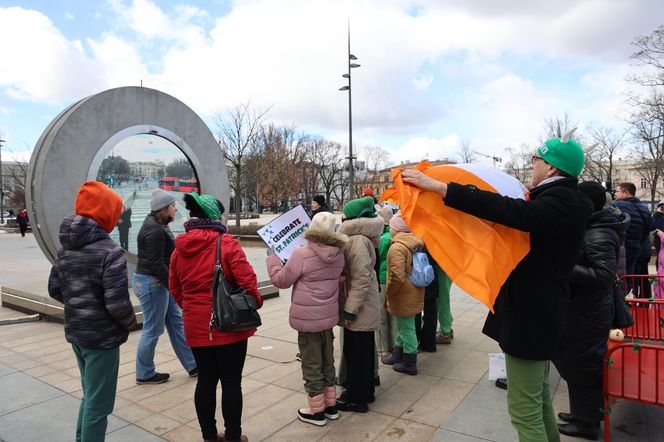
[{"x": 220, "y": 363}]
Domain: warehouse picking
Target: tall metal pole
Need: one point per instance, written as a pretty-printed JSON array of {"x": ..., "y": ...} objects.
[
  {"x": 2, "y": 192},
  {"x": 351, "y": 175}
]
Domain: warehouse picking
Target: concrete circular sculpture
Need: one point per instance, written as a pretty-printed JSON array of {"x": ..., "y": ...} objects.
[{"x": 72, "y": 147}]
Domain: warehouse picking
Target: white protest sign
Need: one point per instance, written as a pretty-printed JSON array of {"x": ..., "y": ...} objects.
[{"x": 285, "y": 233}]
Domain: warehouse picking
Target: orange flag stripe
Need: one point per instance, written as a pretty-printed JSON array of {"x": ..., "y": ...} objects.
[{"x": 478, "y": 255}]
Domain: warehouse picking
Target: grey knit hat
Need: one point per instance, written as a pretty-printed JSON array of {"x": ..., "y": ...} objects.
[{"x": 160, "y": 199}]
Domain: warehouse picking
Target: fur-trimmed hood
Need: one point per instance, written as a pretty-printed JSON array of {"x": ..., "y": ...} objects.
[
  {"x": 327, "y": 245},
  {"x": 327, "y": 238},
  {"x": 372, "y": 228}
]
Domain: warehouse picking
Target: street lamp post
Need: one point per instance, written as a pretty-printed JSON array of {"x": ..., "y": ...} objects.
[
  {"x": 351, "y": 174},
  {"x": 2, "y": 193}
]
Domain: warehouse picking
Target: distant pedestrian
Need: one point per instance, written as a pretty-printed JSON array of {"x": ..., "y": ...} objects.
[
  {"x": 318, "y": 205},
  {"x": 11, "y": 213},
  {"x": 637, "y": 243},
  {"x": 23, "y": 221},
  {"x": 89, "y": 277},
  {"x": 124, "y": 225},
  {"x": 150, "y": 281}
]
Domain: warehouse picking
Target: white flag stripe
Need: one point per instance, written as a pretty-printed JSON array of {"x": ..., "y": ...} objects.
[{"x": 504, "y": 184}]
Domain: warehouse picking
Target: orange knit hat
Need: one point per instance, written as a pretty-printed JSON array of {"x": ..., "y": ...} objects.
[{"x": 97, "y": 201}]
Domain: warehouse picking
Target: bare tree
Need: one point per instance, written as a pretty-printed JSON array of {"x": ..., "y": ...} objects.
[
  {"x": 16, "y": 172},
  {"x": 599, "y": 157},
  {"x": 282, "y": 154},
  {"x": 328, "y": 158},
  {"x": 649, "y": 53},
  {"x": 557, "y": 126},
  {"x": 466, "y": 153},
  {"x": 375, "y": 159},
  {"x": 518, "y": 162},
  {"x": 237, "y": 132},
  {"x": 647, "y": 123}
]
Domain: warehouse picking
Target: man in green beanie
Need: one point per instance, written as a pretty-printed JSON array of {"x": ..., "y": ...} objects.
[{"x": 529, "y": 312}]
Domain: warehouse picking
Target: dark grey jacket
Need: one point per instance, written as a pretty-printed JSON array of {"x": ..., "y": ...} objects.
[
  {"x": 155, "y": 247},
  {"x": 90, "y": 278}
]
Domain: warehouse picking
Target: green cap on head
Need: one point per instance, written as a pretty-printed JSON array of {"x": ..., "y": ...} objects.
[
  {"x": 563, "y": 153},
  {"x": 360, "y": 208},
  {"x": 209, "y": 205}
]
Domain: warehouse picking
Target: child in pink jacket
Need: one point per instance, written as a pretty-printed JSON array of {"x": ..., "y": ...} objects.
[{"x": 314, "y": 270}]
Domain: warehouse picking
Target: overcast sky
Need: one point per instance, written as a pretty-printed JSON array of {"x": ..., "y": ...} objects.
[{"x": 434, "y": 73}]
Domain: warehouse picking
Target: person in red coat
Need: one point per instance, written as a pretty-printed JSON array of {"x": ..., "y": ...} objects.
[{"x": 219, "y": 355}]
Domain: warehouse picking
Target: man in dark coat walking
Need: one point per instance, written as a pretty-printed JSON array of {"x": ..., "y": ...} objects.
[
  {"x": 529, "y": 313},
  {"x": 637, "y": 240}
]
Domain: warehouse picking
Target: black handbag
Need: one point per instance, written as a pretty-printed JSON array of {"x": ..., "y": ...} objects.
[
  {"x": 232, "y": 309},
  {"x": 622, "y": 318}
]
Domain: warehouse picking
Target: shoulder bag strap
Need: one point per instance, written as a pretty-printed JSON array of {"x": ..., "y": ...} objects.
[{"x": 217, "y": 259}]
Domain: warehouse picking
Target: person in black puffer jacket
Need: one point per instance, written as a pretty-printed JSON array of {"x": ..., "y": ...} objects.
[
  {"x": 89, "y": 277},
  {"x": 589, "y": 315}
]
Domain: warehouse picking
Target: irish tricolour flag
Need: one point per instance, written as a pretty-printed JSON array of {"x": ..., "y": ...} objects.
[{"x": 477, "y": 255}]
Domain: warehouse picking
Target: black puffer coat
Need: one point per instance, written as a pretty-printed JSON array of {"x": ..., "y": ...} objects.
[
  {"x": 90, "y": 278},
  {"x": 590, "y": 306}
]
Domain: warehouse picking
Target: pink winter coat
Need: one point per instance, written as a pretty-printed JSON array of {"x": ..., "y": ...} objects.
[{"x": 313, "y": 270}]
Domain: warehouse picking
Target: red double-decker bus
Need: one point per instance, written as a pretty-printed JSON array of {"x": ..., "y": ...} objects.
[
  {"x": 168, "y": 183},
  {"x": 178, "y": 185},
  {"x": 190, "y": 185}
]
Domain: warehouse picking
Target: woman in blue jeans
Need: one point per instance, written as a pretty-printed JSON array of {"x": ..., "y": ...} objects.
[{"x": 150, "y": 281}]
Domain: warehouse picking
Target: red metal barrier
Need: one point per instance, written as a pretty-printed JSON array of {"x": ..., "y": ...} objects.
[
  {"x": 632, "y": 371},
  {"x": 648, "y": 319},
  {"x": 644, "y": 286},
  {"x": 635, "y": 370}
]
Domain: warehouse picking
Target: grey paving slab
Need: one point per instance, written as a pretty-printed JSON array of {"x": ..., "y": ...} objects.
[
  {"x": 54, "y": 417},
  {"x": 450, "y": 436},
  {"x": 132, "y": 433},
  {"x": 5, "y": 370},
  {"x": 20, "y": 390},
  {"x": 483, "y": 414}
]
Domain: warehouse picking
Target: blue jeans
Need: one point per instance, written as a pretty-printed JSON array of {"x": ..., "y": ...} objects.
[
  {"x": 159, "y": 309},
  {"x": 99, "y": 379}
]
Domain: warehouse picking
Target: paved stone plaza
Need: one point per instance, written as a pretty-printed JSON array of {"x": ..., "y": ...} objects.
[{"x": 449, "y": 400}]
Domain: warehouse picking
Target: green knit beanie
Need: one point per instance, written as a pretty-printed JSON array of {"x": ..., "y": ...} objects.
[
  {"x": 564, "y": 154},
  {"x": 360, "y": 208},
  {"x": 209, "y": 205}
]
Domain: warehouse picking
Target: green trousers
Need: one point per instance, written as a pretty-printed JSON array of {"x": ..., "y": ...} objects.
[
  {"x": 406, "y": 336},
  {"x": 99, "y": 379},
  {"x": 529, "y": 400},
  {"x": 443, "y": 301},
  {"x": 317, "y": 354}
]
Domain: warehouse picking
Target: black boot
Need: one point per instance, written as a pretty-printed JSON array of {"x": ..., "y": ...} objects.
[
  {"x": 566, "y": 417},
  {"x": 408, "y": 365},
  {"x": 582, "y": 429}
]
